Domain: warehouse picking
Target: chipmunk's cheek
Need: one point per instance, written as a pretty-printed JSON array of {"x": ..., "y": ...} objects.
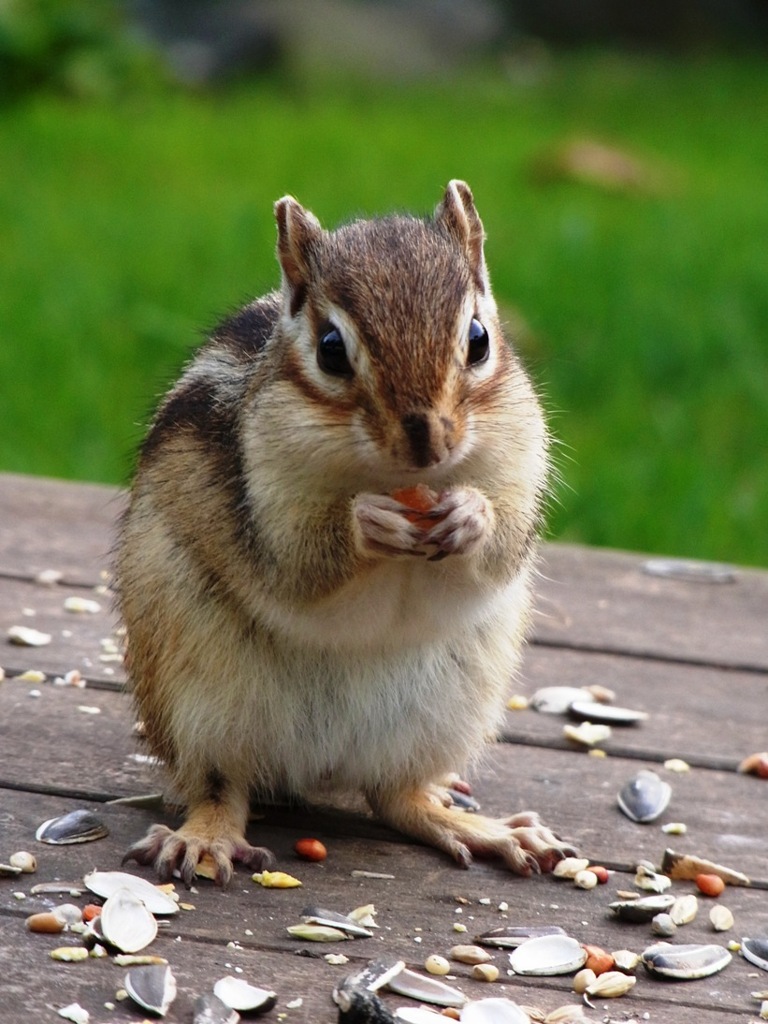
[{"x": 466, "y": 524}]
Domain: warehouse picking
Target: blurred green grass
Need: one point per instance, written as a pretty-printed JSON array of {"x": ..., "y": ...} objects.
[{"x": 127, "y": 228}]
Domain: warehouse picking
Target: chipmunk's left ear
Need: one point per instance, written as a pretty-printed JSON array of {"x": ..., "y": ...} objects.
[
  {"x": 458, "y": 214},
  {"x": 298, "y": 236}
]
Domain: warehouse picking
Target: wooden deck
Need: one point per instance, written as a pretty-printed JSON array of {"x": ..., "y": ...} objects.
[{"x": 694, "y": 655}]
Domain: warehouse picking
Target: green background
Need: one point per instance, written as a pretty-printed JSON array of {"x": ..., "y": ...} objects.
[{"x": 131, "y": 223}]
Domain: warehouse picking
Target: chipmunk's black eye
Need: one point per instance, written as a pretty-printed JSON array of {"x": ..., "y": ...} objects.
[
  {"x": 331, "y": 353},
  {"x": 479, "y": 345}
]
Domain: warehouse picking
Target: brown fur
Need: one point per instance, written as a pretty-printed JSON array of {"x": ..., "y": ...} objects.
[{"x": 287, "y": 623}]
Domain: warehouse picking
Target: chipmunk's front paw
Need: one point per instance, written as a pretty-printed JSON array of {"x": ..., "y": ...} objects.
[
  {"x": 168, "y": 851},
  {"x": 383, "y": 527},
  {"x": 464, "y": 521}
]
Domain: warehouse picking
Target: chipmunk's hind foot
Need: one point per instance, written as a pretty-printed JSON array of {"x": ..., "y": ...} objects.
[
  {"x": 181, "y": 851},
  {"x": 522, "y": 842}
]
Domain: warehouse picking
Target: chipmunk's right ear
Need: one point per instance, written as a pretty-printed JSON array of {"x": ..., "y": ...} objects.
[{"x": 298, "y": 234}]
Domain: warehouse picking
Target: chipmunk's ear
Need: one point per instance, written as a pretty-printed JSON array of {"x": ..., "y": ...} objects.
[
  {"x": 298, "y": 234},
  {"x": 458, "y": 215}
]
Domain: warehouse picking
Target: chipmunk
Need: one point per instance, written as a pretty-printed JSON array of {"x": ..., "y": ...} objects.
[{"x": 290, "y": 622}]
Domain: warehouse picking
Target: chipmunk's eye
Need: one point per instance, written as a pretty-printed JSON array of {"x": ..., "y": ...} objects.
[
  {"x": 331, "y": 354},
  {"x": 479, "y": 345}
]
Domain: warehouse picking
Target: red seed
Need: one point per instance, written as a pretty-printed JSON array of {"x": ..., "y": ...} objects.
[
  {"x": 311, "y": 849},
  {"x": 600, "y": 871},
  {"x": 710, "y": 885},
  {"x": 756, "y": 764},
  {"x": 91, "y": 910},
  {"x": 598, "y": 960}
]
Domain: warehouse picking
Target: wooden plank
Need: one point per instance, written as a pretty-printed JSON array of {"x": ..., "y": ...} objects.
[
  {"x": 95, "y": 754},
  {"x": 588, "y": 598},
  {"x": 576, "y": 795},
  {"x": 705, "y": 716},
  {"x": 602, "y": 600},
  {"x": 417, "y": 910},
  {"x": 45, "y": 986},
  {"x": 54, "y": 524},
  {"x": 76, "y": 637},
  {"x": 683, "y": 700}
]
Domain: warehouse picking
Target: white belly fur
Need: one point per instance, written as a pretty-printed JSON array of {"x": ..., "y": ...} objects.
[{"x": 391, "y": 684}]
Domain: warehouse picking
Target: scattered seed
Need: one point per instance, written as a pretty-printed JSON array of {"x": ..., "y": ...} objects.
[
  {"x": 721, "y": 918},
  {"x": 663, "y": 926},
  {"x": 674, "y": 828},
  {"x": 585, "y": 879},
  {"x": 48, "y": 577},
  {"x": 435, "y": 964},
  {"x": 470, "y": 954},
  {"x": 311, "y": 849},
  {"x": 46, "y": 923},
  {"x": 24, "y": 636},
  {"x": 709, "y": 885},
  {"x": 69, "y": 954},
  {"x": 677, "y": 764},
  {"x": 485, "y": 972},
  {"x": 138, "y": 960},
  {"x": 275, "y": 880},
  {"x": 81, "y": 605},
  {"x": 75, "y": 1013},
  {"x": 684, "y": 909},
  {"x": 336, "y": 959},
  {"x": 602, "y": 874},
  {"x": 78, "y": 826},
  {"x": 317, "y": 933},
  {"x": 32, "y": 675},
  {"x": 625, "y": 960},
  {"x": 611, "y": 985},
  {"x": 682, "y": 963},
  {"x": 569, "y": 867},
  {"x": 583, "y": 979},
  {"x": 517, "y": 702},
  {"x": 555, "y": 700},
  {"x": 644, "y": 908},
  {"x": 598, "y": 960},
  {"x": 26, "y": 862},
  {"x": 755, "y": 764},
  {"x": 587, "y": 733},
  {"x": 687, "y": 866}
]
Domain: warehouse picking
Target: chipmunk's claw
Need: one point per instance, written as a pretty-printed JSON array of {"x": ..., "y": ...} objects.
[{"x": 170, "y": 852}]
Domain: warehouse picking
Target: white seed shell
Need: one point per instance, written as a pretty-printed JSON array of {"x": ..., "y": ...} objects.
[
  {"x": 238, "y": 994},
  {"x": 152, "y": 988},
  {"x": 126, "y": 923},
  {"x": 494, "y": 1011},
  {"x": 548, "y": 956},
  {"x": 428, "y": 990},
  {"x": 25, "y": 636},
  {"x": 104, "y": 883}
]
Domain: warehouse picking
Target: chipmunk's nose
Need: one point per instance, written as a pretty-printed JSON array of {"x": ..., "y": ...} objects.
[{"x": 430, "y": 437}]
